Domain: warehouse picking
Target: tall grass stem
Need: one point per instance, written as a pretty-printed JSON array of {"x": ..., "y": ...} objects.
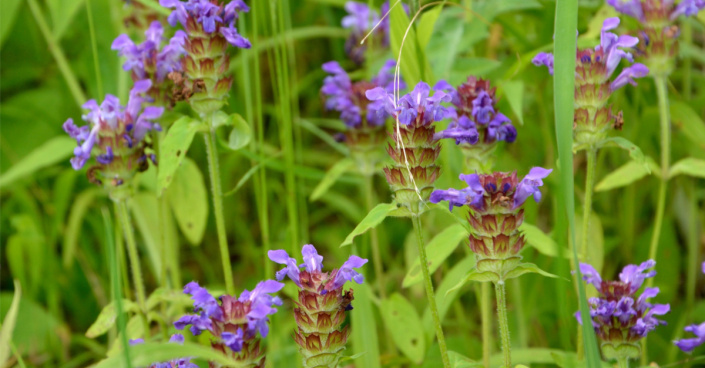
[
  {"x": 591, "y": 155},
  {"x": 135, "y": 265}
]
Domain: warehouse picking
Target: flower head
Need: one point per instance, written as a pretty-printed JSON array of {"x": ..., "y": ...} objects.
[
  {"x": 209, "y": 17},
  {"x": 688, "y": 345},
  {"x": 415, "y": 108},
  {"x": 174, "y": 363},
  {"x": 653, "y": 12},
  {"x": 360, "y": 20},
  {"x": 115, "y": 133},
  {"x": 619, "y": 315}
]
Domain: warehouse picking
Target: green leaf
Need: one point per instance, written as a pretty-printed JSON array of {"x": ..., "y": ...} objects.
[
  {"x": 373, "y": 218},
  {"x": 437, "y": 250},
  {"x": 622, "y": 176},
  {"x": 107, "y": 317},
  {"x": 523, "y": 268},
  {"x": 332, "y": 175},
  {"x": 458, "y": 360},
  {"x": 8, "y": 13},
  {"x": 143, "y": 355},
  {"x": 144, "y": 207},
  {"x": 173, "y": 150},
  {"x": 8, "y": 325},
  {"x": 426, "y": 23},
  {"x": 241, "y": 134},
  {"x": 38, "y": 330},
  {"x": 62, "y": 13},
  {"x": 690, "y": 166},
  {"x": 686, "y": 119},
  {"x": 514, "y": 91},
  {"x": 397, "y": 312},
  {"x": 188, "y": 198},
  {"x": 634, "y": 151},
  {"x": 540, "y": 241},
  {"x": 414, "y": 66},
  {"x": 78, "y": 211},
  {"x": 365, "y": 344},
  {"x": 475, "y": 275},
  {"x": 51, "y": 152}
]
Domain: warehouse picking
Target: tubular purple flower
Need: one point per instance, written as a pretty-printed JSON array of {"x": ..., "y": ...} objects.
[
  {"x": 688, "y": 345},
  {"x": 469, "y": 196},
  {"x": 530, "y": 185},
  {"x": 462, "y": 130},
  {"x": 312, "y": 261},
  {"x": 628, "y": 74},
  {"x": 545, "y": 59},
  {"x": 347, "y": 273},
  {"x": 687, "y": 8},
  {"x": 631, "y": 8},
  {"x": 209, "y": 16},
  {"x": 292, "y": 270}
]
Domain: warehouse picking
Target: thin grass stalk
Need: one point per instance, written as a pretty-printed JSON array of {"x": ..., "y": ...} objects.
[
  {"x": 120, "y": 256},
  {"x": 416, "y": 220},
  {"x": 565, "y": 48},
  {"x": 217, "y": 194},
  {"x": 501, "y": 295},
  {"x": 486, "y": 315},
  {"x": 135, "y": 264},
  {"x": 94, "y": 49},
  {"x": 591, "y": 156},
  {"x": 374, "y": 239},
  {"x": 115, "y": 285}
]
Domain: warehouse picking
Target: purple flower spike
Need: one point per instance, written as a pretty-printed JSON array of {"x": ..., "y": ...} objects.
[
  {"x": 628, "y": 74},
  {"x": 530, "y": 185},
  {"x": 347, "y": 273},
  {"x": 203, "y": 300},
  {"x": 635, "y": 275},
  {"x": 209, "y": 16},
  {"x": 688, "y": 345},
  {"x": 544, "y": 58}
]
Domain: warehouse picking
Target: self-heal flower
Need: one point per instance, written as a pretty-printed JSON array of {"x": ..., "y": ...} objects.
[
  {"x": 322, "y": 304},
  {"x": 621, "y": 317},
  {"x": 236, "y": 323},
  {"x": 688, "y": 345},
  {"x": 116, "y": 136},
  {"x": 174, "y": 363},
  {"x": 594, "y": 83}
]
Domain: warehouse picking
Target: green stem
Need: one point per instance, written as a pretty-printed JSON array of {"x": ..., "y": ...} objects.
[
  {"x": 132, "y": 253},
  {"x": 58, "y": 54},
  {"x": 623, "y": 362},
  {"x": 500, "y": 293},
  {"x": 374, "y": 239},
  {"x": 217, "y": 194},
  {"x": 94, "y": 48},
  {"x": 591, "y": 154},
  {"x": 486, "y": 312},
  {"x": 416, "y": 220}
]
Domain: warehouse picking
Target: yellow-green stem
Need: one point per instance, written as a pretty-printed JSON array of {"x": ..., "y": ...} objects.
[
  {"x": 374, "y": 240},
  {"x": 623, "y": 362},
  {"x": 500, "y": 293},
  {"x": 591, "y": 154},
  {"x": 486, "y": 313},
  {"x": 135, "y": 267},
  {"x": 429, "y": 290},
  {"x": 217, "y": 194}
]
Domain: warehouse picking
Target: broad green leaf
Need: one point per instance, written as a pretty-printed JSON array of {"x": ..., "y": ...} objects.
[
  {"x": 241, "y": 134},
  {"x": 51, "y": 152},
  {"x": 36, "y": 328},
  {"x": 145, "y": 210},
  {"x": 78, "y": 211},
  {"x": 373, "y": 218},
  {"x": 332, "y": 175},
  {"x": 426, "y": 23},
  {"x": 514, "y": 92},
  {"x": 458, "y": 360},
  {"x": 8, "y": 325},
  {"x": 414, "y": 66},
  {"x": 106, "y": 318},
  {"x": 540, "y": 241},
  {"x": 690, "y": 166},
  {"x": 596, "y": 240},
  {"x": 398, "y": 312},
  {"x": 188, "y": 198},
  {"x": 62, "y": 13},
  {"x": 622, "y": 176},
  {"x": 143, "y": 355},
  {"x": 689, "y": 121},
  {"x": 8, "y": 13},
  {"x": 634, "y": 151},
  {"x": 523, "y": 268},
  {"x": 437, "y": 250},
  {"x": 474, "y": 275},
  {"x": 364, "y": 328},
  {"x": 173, "y": 150}
]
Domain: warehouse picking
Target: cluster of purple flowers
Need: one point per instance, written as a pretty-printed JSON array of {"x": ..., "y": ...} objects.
[
  {"x": 150, "y": 59},
  {"x": 233, "y": 321},
  {"x": 349, "y": 98},
  {"x": 688, "y": 345},
  {"x": 116, "y": 131},
  {"x": 618, "y": 314},
  {"x": 644, "y": 10},
  {"x": 414, "y": 108},
  {"x": 476, "y": 118},
  {"x": 175, "y": 363},
  {"x": 208, "y": 16},
  {"x": 360, "y": 20}
]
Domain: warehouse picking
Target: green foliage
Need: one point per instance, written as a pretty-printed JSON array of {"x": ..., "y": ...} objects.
[
  {"x": 173, "y": 150},
  {"x": 396, "y": 312},
  {"x": 8, "y": 325},
  {"x": 437, "y": 250},
  {"x": 50, "y": 153},
  {"x": 241, "y": 133},
  {"x": 188, "y": 198}
]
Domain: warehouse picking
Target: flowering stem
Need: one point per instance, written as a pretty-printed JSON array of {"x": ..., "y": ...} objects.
[
  {"x": 500, "y": 293},
  {"x": 486, "y": 312},
  {"x": 623, "y": 362},
  {"x": 660, "y": 81},
  {"x": 591, "y": 154},
  {"x": 416, "y": 220},
  {"x": 217, "y": 193},
  {"x": 124, "y": 216},
  {"x": 374, "y": 240}
]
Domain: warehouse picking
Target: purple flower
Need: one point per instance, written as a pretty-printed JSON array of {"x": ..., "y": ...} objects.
[
  {"x": 313, "y": 265},
  {"x": 416, "y": 106},
  {"x": 360, "y": 18},
  {"x": 209, "y": 16},
  {"x": 618, "y": 313},
  {"x": 637, "y": 10},
  {"x": 462, "y": 130},
  {"x": 688, "y": 345},
  {"x": 148, "y": 60},
  {"x": 233, "y": 340},
  {"x": 687, "y": 8},
  {"x": 203, "y": 300},
  {"x": 610, "y": 45},
  {"x": 631, "y": 8},
  {"x": 544, "y": 58},
  {"x": 530, "y": 185},
  {"x": 703, "y": 267},
  {"x": 472, "y": 195},
  {"x": 628, "y": 74}
]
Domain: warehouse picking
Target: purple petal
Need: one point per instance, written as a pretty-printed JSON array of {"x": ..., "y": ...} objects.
[
  {"x": 628, "y": 74},
  {"x": 591, "y": 276},
  {"x": 312, "y": 261},
  {"x": 543, "y": 58}
]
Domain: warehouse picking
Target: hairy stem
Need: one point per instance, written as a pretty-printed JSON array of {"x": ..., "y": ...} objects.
[
  {"x": 132, "y": 253},
  {"x": 591, "y": 154},
  {"x": 429, "y": 291},
  {"x": 486, "y": 312},
  {"x": 374, "y": 239},
  {"x": 217, "y": 194},
  {"x": 623, "y": 362},
  {"x": 500, "y": 293}
]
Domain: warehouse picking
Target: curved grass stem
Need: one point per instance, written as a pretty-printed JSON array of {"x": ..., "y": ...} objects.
[
  {"x": 124, "y": 216},
  {"x": 591, "y": 154},
  {"x": 429, "y": 291}
]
